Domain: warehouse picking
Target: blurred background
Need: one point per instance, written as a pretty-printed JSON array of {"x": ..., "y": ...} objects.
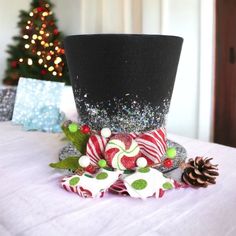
[{"x": 192, "y": 111}]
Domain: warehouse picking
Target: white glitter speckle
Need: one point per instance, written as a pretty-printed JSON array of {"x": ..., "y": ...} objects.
[{"x": 130, "y": 115}]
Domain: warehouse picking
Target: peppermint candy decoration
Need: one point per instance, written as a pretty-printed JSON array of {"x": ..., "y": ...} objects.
[
  {"x": 122, "y": 151},
  {"x": 95, "y": 148},
  {"x": 152, "y": 145}
]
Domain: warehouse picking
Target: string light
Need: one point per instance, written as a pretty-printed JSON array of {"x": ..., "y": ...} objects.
[
  {"x": 51, "y": 68},
  {"x": 57, "y": 60},
  {"x": 45, "y": 13},
  {"x": 30, "y": 62},
  {"x": 51, "y": 58},
  {"x": 26, "y": 36},
  {"x": 34, "y": 36}
]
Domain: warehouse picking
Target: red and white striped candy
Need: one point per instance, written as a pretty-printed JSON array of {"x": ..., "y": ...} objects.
[
  {"x": 66, "y": 186},
  {"x": 122, "y": 151},
  {"x": 95, "y": 148},
  {"x": 152, "y": 145},
  {"x": 85, "y": 193},
  {"x": 118, "y": 188}
]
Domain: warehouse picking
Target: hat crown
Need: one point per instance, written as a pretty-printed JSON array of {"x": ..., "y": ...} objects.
[{"x": 123, "y": 81}]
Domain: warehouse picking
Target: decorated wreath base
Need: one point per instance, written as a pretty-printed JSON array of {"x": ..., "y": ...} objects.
[{"x": 126, "y": 163}]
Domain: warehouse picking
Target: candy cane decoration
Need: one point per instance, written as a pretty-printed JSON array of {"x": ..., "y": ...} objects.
[
  {"x": 152, "y": 145},
  {"x": 95, "y": 148}
]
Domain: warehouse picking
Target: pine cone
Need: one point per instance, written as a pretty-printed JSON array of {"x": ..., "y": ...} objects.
[{"x": 200, "y": 172}]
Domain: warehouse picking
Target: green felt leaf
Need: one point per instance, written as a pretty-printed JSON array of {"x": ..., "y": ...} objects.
[
  {"x": 78, "y": 139},
  {"x": 69, "y": 163}
]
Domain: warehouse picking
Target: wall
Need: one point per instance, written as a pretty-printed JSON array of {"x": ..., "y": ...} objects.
[{"x": 191, "y": 108}]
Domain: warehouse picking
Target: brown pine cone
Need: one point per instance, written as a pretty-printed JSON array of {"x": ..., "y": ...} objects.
[{"x": 199, "y": 172}]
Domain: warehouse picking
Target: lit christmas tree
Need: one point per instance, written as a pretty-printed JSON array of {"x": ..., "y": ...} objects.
[{"x": 38, "y": 52}]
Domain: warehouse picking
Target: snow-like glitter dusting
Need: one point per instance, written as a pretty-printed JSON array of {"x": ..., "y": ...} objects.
[{"x": 131, "y": 114}]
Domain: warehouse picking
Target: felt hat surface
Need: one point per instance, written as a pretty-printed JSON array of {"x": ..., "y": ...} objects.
[{"x": 123, "y": 81}]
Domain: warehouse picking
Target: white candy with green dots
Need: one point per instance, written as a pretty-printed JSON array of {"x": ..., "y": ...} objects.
[
  {"x": 92, "y": 185},
  {"x": 146, "y": 182}
]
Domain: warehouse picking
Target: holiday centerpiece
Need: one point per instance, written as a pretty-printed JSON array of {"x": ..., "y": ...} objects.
[{"x": 122, "y": 86}]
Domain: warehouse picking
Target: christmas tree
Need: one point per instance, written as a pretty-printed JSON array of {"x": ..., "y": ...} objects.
[{"x": 38, "y": 51}]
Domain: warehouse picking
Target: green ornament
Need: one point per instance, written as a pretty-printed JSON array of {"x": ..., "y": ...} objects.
[
  {"x": 139, "y": 184},
  {"x": 73, "y": 127},
  {"x": 74, "y": 181},
  {"x": 102, "y": 175},
  {"x": 171, "y": 153},
  {"x": 167, "y": 185},
  {"x": 102, "y": 163}
]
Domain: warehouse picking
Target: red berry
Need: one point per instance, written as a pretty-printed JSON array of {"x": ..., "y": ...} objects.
[
  {"x": 85, "y": 129},
  {"x": 43, "y": 72},
  {"x": 62, "y": 51},
  {"x": 40, "y": 9},
  {"x": 168, "y": 163},
  {"x": 55, "y": 31},
  {"x": 14, "y": 64},
  {"x": 91, "y": 169}
]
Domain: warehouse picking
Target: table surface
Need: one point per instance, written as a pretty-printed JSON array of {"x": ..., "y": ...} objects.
[{"x": 32, "y": 203}]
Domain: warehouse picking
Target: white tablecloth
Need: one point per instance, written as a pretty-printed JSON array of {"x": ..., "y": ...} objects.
[{"x": 32, "y": 203}]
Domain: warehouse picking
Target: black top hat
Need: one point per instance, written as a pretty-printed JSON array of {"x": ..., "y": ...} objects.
[{"x": 123, "y": 81}]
